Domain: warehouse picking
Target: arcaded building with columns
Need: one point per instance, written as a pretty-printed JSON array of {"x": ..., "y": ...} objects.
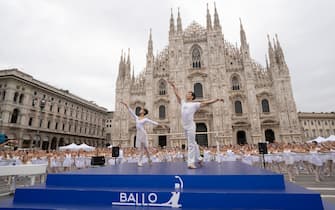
[
  {"x": 42, "y": 116},
  {"x": 259, "y": 103},
  {"x": 317, "y": 124}
]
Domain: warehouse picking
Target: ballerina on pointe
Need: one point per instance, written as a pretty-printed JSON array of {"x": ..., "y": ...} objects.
[{"x": 141, "y": 134}]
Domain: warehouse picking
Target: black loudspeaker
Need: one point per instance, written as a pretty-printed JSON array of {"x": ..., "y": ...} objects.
[
  {"x": 183, "y": 146},
  {"x": 98, "y": 160},
  {"x": 115, "y": 151},
  {"x": 262, "y": 148}
]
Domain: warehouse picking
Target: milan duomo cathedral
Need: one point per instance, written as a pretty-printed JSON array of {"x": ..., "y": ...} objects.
[{"x": 258, "y": 101}]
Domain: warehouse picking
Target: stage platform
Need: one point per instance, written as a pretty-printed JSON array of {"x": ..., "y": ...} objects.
[{"x": 228, "y": 185}]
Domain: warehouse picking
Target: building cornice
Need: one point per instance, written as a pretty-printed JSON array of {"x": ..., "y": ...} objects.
[{"x": 28, "y": 79}]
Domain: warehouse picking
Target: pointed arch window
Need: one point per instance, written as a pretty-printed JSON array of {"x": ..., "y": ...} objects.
[
  {"x": 238, "y": 107},
  {"x": 162, "y": 87},
  {"x": 265, "y": 105},
  {"x": 15, "y": 116},
  {"x": 162, "y": 113},
  {"x": 198, "y": 90},
  {"x": 235, "y": 83},
  {"x": 196, "y": 58}
]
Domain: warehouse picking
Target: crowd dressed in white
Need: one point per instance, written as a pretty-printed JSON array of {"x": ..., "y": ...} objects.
[{"x": 289, "y": 158}]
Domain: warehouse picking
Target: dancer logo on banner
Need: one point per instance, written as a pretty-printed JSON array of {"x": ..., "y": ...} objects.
[{"x": 150, "y": 199}]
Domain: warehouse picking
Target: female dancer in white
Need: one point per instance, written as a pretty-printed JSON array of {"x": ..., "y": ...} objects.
[
  {"x": 188, "y": 108},
  {"x": 141, "y": 134}
]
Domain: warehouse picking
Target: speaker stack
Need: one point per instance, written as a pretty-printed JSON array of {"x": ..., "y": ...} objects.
[{"x": 115, "y": 152}]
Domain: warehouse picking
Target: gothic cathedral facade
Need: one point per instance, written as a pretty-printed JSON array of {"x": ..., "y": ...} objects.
[{"x": 259, "y": 104}]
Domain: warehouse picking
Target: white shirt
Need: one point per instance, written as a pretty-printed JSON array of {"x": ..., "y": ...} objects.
[
  {"x": 120, "y": 153},
  {"x": 187, "y": 112},
  {"x": 141, "y": 122}
]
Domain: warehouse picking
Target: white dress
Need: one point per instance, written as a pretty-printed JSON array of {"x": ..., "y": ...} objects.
[
  {"x": 141, "y": 134},
  {"x": 288, "y": 157},
  {"x": 67, "y": 160},
  {"x": 314, "y": 158}
]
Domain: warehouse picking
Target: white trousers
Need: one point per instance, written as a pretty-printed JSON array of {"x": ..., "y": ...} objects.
[{"x": 193, "y": 153}]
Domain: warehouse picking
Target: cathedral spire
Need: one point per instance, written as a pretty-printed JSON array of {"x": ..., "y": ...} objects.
[
  {"x": 271, "y": 52},
  {"x": 124, "y": 57},
  {"x": 209, "y": 20},
  {"x": 277, "y": 41},
  {"x": 150, "y": 45},
  {"x": 121, "y": 67},
  {"x": 150, "y": 54},
  {"x": 121, "y": 57},
  {"x": 274, "y": 45},
  {"x": 217, "y": 25},
  {"x": 279, "y": 52},
  {"x": 133, "y": 74},
  {"x": 243, "y": 37},
  {"x": 172, "y": 29},
  {"x": 128, "y": 66},
  {"x": 179, "y": 26},
  {"x": 266, "y": 62},
  {"x": 128, "y": 58}
]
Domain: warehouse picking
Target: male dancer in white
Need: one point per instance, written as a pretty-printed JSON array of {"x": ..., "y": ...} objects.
[
  {"x": 188, "y": 108},
  {"x": 141, "y": 134}
]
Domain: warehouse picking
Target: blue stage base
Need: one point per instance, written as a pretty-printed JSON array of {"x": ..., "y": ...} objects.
[{"x": 227, "y": 185}]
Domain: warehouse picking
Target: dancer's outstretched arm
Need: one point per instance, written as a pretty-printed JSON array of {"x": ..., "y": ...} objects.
[
  {"x": 155, "y": 123},
  {"x": 208, "y": 102},
  {"x": 130, "y": 111},
  {"x": 175, "y": 91}
]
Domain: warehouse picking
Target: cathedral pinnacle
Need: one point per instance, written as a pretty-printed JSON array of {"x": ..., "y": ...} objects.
[
  {"x": 209, "y": 20},
  {"x": 128, "y": 66},
  {"x": 274, "y": 44},
  {"x": 271, "y": 52},
  {"x": 133, "y": 74},
  {"x": 121, "y": 73},
  {"x": 217, "y": 25},
  {"x": 269, "y": 42},
  {"x": 128, "y": 58},
  {"x": 150, "y": 45},
  {"x": 266, "y": 62},
  {"x": 121, "y": 57},
  {"x": 179, "y": 26},
  {"x": 276, "y": 54},
  {"x": 172, "y": 30},
  {"x": 243, "y": 37},
  {"x": 279, "y": 51}
]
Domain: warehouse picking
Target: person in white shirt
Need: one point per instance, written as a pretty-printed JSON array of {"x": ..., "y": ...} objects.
[
  {"x": 141, "y": 134},
  {"x": 188, "y": 108},
  {"x": 120, "y": 159}
]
